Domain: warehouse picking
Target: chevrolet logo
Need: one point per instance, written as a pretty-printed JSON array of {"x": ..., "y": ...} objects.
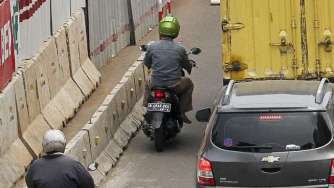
[{"x": 270, "y": 159}]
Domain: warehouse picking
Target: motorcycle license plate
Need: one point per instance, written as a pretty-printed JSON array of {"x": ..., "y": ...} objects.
[{"x": 159, "y": 107}]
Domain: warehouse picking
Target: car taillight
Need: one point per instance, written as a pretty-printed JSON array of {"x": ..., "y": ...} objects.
[
  {"x": 204, "y": 173},
  {"x": 331, "y": 175},
  {"x": 159, "y": 94}
]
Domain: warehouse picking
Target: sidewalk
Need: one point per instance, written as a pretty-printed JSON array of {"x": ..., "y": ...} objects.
[{"x": 112, "y": 73}]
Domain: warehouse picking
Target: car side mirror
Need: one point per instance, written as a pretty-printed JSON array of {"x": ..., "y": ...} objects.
[
  {"x": 93, "y": 166},
  {"x": 203, "y": 115},
  {"x": 195, "y": 51}
]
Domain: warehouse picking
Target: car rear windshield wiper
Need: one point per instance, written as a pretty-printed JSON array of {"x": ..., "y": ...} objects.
[
  {"x": 243, "y": 144},
  {"x": 249, "y": 146},
  {"x": 253, "y": 147}
]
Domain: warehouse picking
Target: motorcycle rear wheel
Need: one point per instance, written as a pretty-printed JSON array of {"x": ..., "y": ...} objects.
[{"x": 159, "y": 139}]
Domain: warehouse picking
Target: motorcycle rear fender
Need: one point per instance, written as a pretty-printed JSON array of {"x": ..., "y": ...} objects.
[{"x": 157, "y": 119}]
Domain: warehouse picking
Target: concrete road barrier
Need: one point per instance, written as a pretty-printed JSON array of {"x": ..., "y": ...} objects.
[
  {"x": 113, "y": 149},
  {"x": 8, "y": 118},
  {"x": 13, "y": 164},
  {"x": 129, "y": 127},
  {"x": 53, "y": 116},
  {"x": 130, "y": 89},
  {"x": 83, "y": 82},
  {"x": 122, "y": 137},
  {"x": 98, "y": 177},
  {"x": 141, "y": 57},
  {"x": 146, "y": 73},
  {"x": 50, "y": 66},
  {"x": 62, "y": 54},
  {"x": 140, "y": 60},
  {"x": 93, "y": 74},
  {"x": 82, "y": 36},
  {"x": 70, "y": 89},
  {"x": 33, "y": 135},
  {"x": 74, "y": 93},
  {"x": 134, "y": 121},
  {"x": 79, "y": 148},
  {"x": 139, "y": 78},
  {"x": 72, "y": 43},
  {"x": 99, "y": 131},
  {"x": 64, "y": 103},
  {"x": 77, "y": 73},
  {"x": 137, "y": 113},
  {"x": 21, "y": 104},
  {"x": 30, "y": 84},
  {"x": 56, "y": 64},
  {"x": 121, "y": 101},
  {"x": 108, "y": 158},
  {"x": 106, "y": 162},
  {"x": 43, "y": 89},
  {"x": 88, "y": 67},
  {"x": 112, "y": 113},
  {"x": 112, "y": 152}
]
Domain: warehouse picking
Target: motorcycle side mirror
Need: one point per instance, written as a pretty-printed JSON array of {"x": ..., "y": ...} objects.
[
  {"x": 195, "y": 51},
  {"x": 93, "y": 166},
  {"x": 143, "y": 48},
  {"x": 203, "y": 115}
]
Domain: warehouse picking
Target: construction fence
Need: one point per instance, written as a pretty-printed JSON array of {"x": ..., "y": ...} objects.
[
  {"x": 116, "y": 24},
  {"x": 110, "y": 26}
]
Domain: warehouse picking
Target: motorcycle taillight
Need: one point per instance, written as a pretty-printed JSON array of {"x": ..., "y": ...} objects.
[{"x": 159, "y": 94}]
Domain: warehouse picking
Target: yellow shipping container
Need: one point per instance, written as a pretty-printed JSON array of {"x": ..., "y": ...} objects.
[{"x": 278, "y": 39}]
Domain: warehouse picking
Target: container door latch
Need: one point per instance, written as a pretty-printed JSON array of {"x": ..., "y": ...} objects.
[
  {"x": 226, "y": 26},
  {"x": 327, "y": 42}
]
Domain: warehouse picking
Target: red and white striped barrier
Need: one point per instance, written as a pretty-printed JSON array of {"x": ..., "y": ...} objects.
[
  {"x": 169, "y": 6},
  {"x": 165, "y": 8}
]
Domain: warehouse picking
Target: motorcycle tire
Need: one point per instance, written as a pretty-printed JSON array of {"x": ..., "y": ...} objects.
[{"x": 159, "y": 139}]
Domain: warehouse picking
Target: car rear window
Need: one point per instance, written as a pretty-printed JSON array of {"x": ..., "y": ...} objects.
[{"x": 270, "y": 132}]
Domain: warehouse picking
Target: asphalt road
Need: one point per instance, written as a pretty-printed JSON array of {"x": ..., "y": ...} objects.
[{"x": 141, "y": 166}]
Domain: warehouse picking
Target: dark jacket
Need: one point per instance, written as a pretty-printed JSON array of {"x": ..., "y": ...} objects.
[
  {"x": 166, "y": 60},
  {"x": 58, "y": 171}
]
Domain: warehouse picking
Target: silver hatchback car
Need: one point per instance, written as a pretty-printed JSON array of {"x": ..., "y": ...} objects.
[{"x": 269, "y": 134}]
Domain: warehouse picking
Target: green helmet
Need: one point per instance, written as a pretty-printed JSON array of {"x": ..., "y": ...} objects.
[{"x": 169, "y": 26}]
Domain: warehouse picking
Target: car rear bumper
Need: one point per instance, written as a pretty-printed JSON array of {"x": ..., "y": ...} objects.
[{"x": 311, "y": 186}]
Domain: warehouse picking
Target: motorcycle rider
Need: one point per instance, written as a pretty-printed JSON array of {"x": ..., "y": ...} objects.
[
  {"x": 55, "y": 170},
  {"x": 166, "y": 60}
]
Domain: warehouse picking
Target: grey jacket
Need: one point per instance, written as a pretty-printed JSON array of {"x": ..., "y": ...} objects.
[
  {"x": 58, "y": 171},
  {"x": 166, "y": 60}
]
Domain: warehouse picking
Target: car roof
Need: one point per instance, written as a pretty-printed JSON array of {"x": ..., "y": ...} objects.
[{"x": 276, "y": 94}]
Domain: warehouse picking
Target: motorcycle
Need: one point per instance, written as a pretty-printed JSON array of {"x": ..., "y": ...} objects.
[{"x": 162, "y": 120}]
